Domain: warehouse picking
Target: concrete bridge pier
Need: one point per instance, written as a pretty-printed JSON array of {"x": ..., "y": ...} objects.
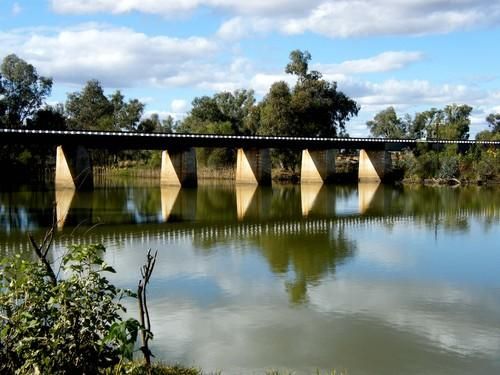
[
  {"x": 318, "y": 166},
  {"x": 374, "y": 166},
  {"x": 253, "y": 166},
  {"x": 73, "y": 168},
  {"x": 178, "y": 168}
]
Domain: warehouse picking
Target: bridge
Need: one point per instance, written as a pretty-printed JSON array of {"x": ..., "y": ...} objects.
[{"x": 73, "y": 165}]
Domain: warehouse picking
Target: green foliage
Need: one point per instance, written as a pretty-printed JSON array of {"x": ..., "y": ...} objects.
[
  {"x": 387, "y": 124},
  {"x": 493, "y": 121},
  {"x": 48, "y": 117},
  {"x": 313, "y": 108},
  {"x": 138, "y": 368},
  {"x": 90, "y": 109},
  {"x": 72, "y": 327},
  {"x": 449, "y": 167},
  {"x": 22, "y": 91},
  {"x": 223, "y": 108},
  {"x": 451, "y": 122},
  {"x": 153, "y": 124}
]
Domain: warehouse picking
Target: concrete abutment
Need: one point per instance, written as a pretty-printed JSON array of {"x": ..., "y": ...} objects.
[
  {"x": 317, "y": 166},
  {"x": 374, "y": 166},
  {"x": 73, "y": 168},
  {"x": 253, "y": 166},
  {"x": 178, "y": 168}
]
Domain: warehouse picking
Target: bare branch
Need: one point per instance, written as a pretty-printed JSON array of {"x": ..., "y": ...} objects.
[{"x": 146, "y": 272}]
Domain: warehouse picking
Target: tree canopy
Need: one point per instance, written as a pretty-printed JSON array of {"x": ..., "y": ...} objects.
[
  {"x": 22, "y": 91},
  {"x": 90, "y": 109},
  {"x": 387, "y": 124},
  {"x": 451, "y": 122}
]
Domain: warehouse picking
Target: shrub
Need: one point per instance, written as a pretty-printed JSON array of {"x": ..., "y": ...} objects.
[
  {"x": 449, "y": 167},
  {"x": 62, "y": 326}
]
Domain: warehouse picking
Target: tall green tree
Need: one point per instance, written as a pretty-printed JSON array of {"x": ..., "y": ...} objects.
[
  {"x": 48, "y": 117},
  {"x": 153, "y": 124},
  {"x": 223, "y": 108},
  {"x": 276, "y": 114},
  {"x": 493, "y": 132},
  {"x": 126, "y": 115},
  {"x": 319, "y": 108},
  {"x": 90, "y": 109},
  {"x": 387, "y": 124},
  {"x": 22, "y": 91},
  {"x": 314, "y": 107},
  {"x": 493, "y": 121},
  {"x": 451, "y": 122},
  {"x": 223, "y": 113}
]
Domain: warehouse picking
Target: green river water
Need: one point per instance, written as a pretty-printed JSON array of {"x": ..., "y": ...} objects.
[{"x": 371, "y": 279}]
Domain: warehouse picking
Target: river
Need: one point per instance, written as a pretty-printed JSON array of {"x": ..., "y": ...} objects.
[{"x": 371, "y": 279}]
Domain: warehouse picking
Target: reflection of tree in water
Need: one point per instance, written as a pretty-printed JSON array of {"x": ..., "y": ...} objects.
[
  {"x": 25, "y": 210},
  {"x": 216, "y": 203},
  {"x": 311, "y": 257},
  {"x": 449, "y": 208}
]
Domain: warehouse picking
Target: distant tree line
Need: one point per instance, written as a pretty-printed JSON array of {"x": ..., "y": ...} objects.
[
  {"x": 311, "y": 107},
  {"x": 451, "y": 122}
]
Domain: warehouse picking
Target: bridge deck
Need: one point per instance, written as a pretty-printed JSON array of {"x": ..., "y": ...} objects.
[{"x": 162, "y": 141}]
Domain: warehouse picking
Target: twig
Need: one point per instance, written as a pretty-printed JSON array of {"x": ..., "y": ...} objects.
[
  {"x": 43, "y": 249},
  {"x": 146, "y": 271}
]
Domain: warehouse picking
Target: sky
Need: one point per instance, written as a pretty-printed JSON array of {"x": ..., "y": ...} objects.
[{"x": 410, "y": 54}]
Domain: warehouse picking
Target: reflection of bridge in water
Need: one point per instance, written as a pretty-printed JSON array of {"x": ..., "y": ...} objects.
[
  {"x": 174, "y": 215},
  {"x": 177, "y": 233}
]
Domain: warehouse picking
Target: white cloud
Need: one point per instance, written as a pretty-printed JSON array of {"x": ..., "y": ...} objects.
[
  {"x": 179, "y": 105},
  {"x": 171, "y": 8},
  {"x": 383, "y": 62},
  {"x": 339, "y": 18},
  {"x": 117, "y": 56}
]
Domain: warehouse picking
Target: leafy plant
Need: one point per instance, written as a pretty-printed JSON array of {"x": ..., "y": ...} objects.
[{"x": 70, "y": 326}]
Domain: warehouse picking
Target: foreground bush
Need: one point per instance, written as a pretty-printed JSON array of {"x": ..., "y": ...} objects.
[{"x": 56, "y": 325}]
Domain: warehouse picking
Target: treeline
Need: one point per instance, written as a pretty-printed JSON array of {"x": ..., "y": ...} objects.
[
  {"x": 312, "y": 107},
  {"x": 478, "y": 164}
]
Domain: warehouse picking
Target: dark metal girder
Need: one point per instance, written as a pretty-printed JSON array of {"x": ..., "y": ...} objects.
[{"x": 163, "y": 141}]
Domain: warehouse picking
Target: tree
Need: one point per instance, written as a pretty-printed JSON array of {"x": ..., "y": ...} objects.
[
  {"x": 493, "y": 120},
  {"x": 90, "y": 109},
  {"x": 493, "y": 133},
  {"x": 451, "y": 122},
  {"x": 299, "y": 63},
  {"x": 22, "y": 91},
  {"x": 276, "y": 116},
  {"x": 126, "y": 116},
  {"x": 319, "y": 108},
  {"x": 153, "y": 124},
  {"x": 223, "y": 113},
  {"x": 387, "y": 124},
  {"x": 313, "y": 108},
  {"x": 224, "y": 107},
  {"x": 48, "y": 117}
]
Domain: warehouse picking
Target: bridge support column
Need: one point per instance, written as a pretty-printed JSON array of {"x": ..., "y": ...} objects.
[
  {"x": 317, "y": 166},
  {"x": 73, "y": 168},
  {"x": 374, "y": 166},
  {"x": 178, "y": 168},
  {"x": 253, "y": 167}
]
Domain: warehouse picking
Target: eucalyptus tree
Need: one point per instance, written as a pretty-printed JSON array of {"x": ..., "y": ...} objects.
[
  {"x": 387, "y": 124},
  {"x": 22, "y": 91}
]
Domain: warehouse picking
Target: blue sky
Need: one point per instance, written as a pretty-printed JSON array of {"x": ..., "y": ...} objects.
[{"x": 412, "y": 54}]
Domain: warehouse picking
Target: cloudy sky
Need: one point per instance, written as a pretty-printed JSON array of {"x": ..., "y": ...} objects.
[{"x": 411, "y": 54}]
